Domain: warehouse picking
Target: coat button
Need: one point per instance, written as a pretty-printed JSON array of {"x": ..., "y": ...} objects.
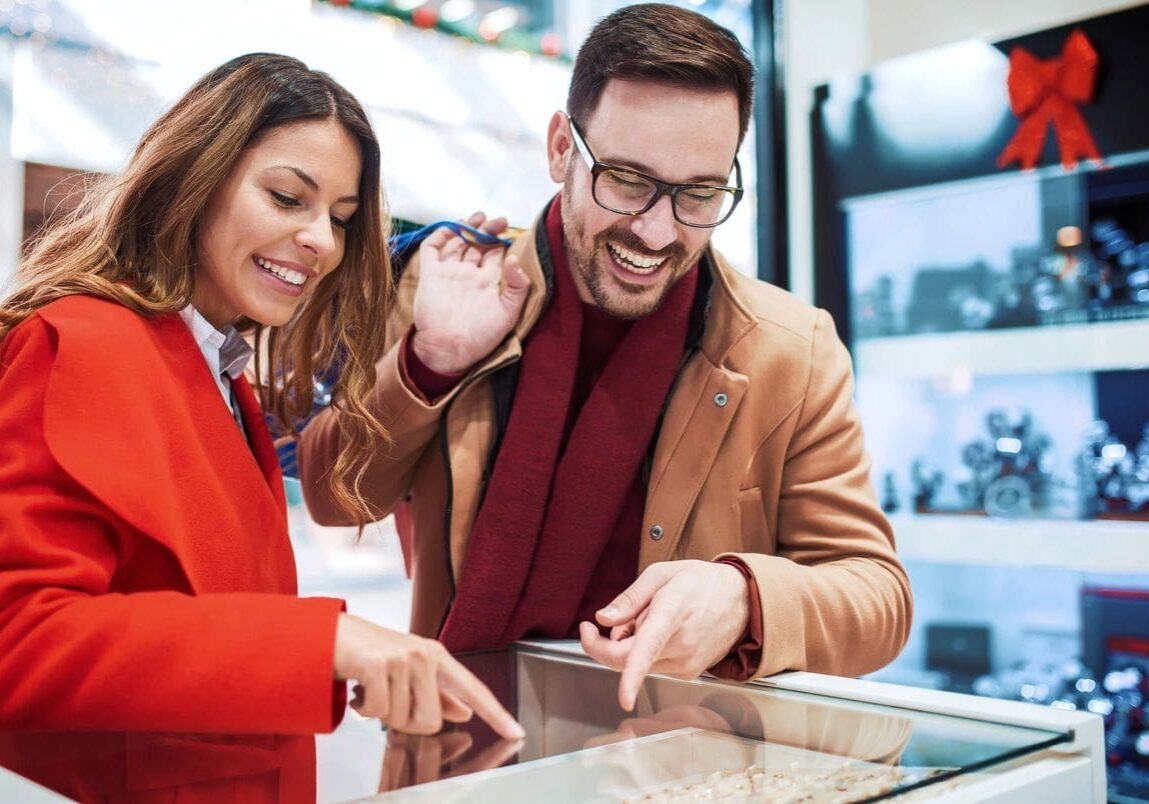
[
  {"x": 720, "y": 400},
  {"x": 656, "y": 532}
]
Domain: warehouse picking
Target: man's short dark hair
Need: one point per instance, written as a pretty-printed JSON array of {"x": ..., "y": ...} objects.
[{"x": 665, "y": 44}]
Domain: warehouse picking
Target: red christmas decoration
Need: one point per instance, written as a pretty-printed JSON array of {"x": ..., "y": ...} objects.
[
  {"x": 1048, "y": 91},
  {"x": 424, "y": 17},
  {"x": 551, "y": 44},
  {"x": 489, "y": 32}
]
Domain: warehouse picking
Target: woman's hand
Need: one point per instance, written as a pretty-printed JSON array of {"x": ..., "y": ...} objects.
[
  {"x": 410, "y": 683},
  {"x": 468, "y": 299}
]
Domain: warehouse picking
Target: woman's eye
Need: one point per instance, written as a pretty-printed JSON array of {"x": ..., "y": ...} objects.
[
  {"x": 284, "y": 200},
  {"x": 341, "y": 223}
]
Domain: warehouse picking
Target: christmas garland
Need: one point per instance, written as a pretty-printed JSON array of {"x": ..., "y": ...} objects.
[{"x": 427, "y": 17}]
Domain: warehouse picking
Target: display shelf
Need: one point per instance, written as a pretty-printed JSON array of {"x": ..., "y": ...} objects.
[
  {"x": 1084, "y": 545},
  {"x": 1098, "y": 346}
]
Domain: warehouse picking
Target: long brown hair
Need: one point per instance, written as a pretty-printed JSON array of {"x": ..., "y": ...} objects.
[
  {"x": 665, "y": 44},
  {"x": 132, "y": 239}
]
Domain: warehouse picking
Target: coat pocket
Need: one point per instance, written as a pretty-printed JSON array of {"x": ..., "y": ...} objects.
[{"x": 754, "y": 530}]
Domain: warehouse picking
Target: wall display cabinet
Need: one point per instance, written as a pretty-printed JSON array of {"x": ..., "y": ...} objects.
[
  {"x": 999, "y": 324},
  {"x": 1003, "y": 376}
]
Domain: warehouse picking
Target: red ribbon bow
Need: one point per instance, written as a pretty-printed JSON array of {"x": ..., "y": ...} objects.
[{"x": 1041, "y": 92}]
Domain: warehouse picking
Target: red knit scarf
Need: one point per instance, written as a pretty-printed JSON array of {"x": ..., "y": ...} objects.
[{"x": 547, "y": 516}]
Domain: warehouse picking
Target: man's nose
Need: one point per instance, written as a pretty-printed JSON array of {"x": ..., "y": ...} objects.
[{"x": 657, "y": 226}]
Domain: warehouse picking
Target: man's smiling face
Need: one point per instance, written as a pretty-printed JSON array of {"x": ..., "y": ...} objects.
[{"x": 626, "y": 264}]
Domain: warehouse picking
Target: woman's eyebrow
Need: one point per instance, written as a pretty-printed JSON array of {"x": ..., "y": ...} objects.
[{"x": 313, "y": 184}]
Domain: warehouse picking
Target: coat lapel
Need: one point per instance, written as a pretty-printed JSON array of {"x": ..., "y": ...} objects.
[
  {"x": 133, "y": 414},
  {"x": 696, "y": 424},
  {"x": 259, "y": 439},
  {"x": 692, "y": 434}
]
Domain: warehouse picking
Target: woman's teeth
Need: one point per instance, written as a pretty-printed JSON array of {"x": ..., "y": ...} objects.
[
  {"x": 286, "y": 274},
  {"x": 635, "y": 262}
]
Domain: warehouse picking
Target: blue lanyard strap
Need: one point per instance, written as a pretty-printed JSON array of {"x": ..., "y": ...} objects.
[{"x": 401, "y": 245}]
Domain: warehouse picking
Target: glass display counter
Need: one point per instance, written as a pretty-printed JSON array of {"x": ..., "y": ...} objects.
[{"x": 796, "y": 737}]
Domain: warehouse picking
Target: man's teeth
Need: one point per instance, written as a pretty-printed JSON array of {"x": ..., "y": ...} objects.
[
  {"x": 635, "y": 262},
  {"x": 286, "y": 274}
]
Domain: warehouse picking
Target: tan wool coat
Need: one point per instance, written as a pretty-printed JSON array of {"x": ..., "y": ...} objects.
[{"x": 759, "y": 454}]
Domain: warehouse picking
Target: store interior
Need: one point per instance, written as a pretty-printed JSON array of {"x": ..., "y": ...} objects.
[{"x": 998, "y": 317}]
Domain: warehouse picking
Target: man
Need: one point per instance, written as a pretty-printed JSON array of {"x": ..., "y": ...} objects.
[{"x": 610, "y": 432}]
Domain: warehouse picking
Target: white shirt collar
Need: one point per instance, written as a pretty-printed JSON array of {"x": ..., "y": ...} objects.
[{"x": 225, "y": 352}]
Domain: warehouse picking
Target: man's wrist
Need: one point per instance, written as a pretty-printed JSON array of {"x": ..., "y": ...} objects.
[
  {"x": 744, "y": 656},
  {"x": 431, "y": 385},
  {"x": 439, "y": 358},
  {"x": 744, "y": 599}
]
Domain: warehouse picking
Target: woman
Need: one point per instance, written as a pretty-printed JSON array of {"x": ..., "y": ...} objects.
[{"x": 146, "y": 576}]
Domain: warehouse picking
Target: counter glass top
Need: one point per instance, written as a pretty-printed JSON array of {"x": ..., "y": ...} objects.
[{"x": 707, "y": 739}]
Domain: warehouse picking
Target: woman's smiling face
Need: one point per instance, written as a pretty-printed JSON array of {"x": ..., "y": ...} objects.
[{"x": 277, "y": 224}]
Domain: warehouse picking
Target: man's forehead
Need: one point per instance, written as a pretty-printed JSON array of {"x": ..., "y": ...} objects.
[
  {"x": 674, "y": 133},
  {"x": 626, "y": 94}
]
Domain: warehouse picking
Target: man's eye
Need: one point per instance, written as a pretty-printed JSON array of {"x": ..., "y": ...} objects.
[
  {"x": 701, "y": 196},
  {"x": 629, "y": 184}
]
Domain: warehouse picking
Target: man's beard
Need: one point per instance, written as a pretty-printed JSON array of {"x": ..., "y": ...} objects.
[{"x": 619, "y": 299}]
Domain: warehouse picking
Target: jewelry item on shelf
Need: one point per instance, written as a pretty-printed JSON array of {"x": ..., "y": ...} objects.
[
  {"x": 1113, "y": 480},
  {"x": 926, "y": 481},
  {"x": 889, "y": 493},
  {"x": 1009, "y": 471}
]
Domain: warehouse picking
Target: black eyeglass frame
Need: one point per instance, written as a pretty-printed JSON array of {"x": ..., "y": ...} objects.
[{"x": 661, "y": 188}]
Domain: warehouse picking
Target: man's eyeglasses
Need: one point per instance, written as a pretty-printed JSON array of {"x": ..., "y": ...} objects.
[{"x": 629, "y": 192}]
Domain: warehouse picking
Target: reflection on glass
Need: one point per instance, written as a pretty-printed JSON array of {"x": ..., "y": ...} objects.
[{"x": 142, "y": 766}]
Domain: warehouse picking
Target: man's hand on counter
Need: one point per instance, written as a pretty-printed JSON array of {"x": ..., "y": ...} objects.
[
  {"x": 678, "y": 618},
  {"x": 411, "y": 683}
]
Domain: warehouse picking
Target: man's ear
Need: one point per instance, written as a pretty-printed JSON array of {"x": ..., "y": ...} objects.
[{"x": 559, "y": 145}]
